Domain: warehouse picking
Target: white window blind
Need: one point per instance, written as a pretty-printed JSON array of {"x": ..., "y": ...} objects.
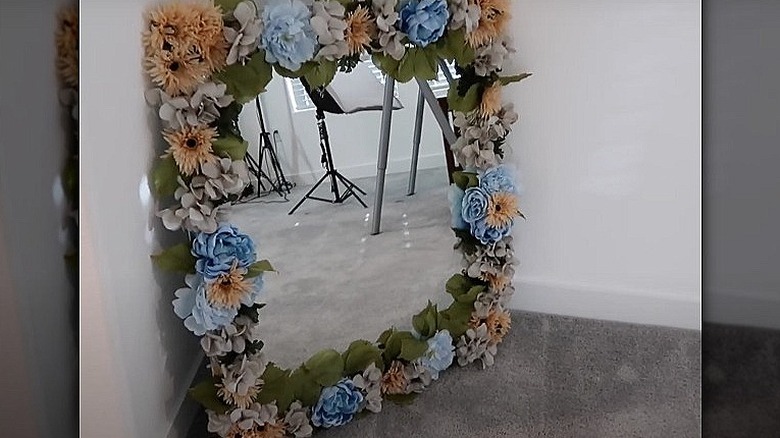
[{"x": 301, "y": 102}]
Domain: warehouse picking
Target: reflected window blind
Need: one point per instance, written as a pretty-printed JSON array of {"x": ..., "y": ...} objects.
[{"x": 301, "y": 101}]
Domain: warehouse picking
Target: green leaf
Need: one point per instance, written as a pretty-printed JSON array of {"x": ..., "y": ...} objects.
[
  {"x": 426, "y": 64},
  {"x": 177, "y": 258},
  {"x": 457, "y": 285},
  {"x": 506, "y": 80},
  {"x": 227, "y": 123},
  {"x": 412, "y": 349},
  {"x": 359, "y": 355},
  {"x": 321, "y": 74},
  {"x": 401, "y": 399},
  {"x": 305, "y": 388},
  {"x": 305, "y": 68},
  {"x": 205, "y": 393},
  {"x": 230, "y": 146},
  {"x": 407, "y": 65},
  {"x": 465, "y": 103},
  {"x": 453, "y": 46},
  {"x": 258, "y": 268},
  {"x": 326, "y": 367},
  {"x": 70, "y": 179},
  {"x": 164, "y": 176},
  {"x": 465, "y": 180},
  {"x": 425, "y": 322},
  {"x": 382, "y": 340},
  {"x": 227, "y": 5},
  {"x": 277, "y": 387},
  {"x": 387, "y": 64},
  {"x": 455, "y": 319},
  {"x": 468, "y": 243},
  {"x": 245, "y": 82}
]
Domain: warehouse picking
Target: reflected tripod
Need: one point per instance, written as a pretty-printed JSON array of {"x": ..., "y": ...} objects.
[
  {"x": 326, "y": 159},
  {"x": 267, "y": 154}
]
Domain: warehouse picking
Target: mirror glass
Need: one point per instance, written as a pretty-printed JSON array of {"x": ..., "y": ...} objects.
[{"x": 336, "y": 281}]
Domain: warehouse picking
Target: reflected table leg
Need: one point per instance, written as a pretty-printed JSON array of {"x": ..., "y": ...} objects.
[{"x": 384, "y": 146}]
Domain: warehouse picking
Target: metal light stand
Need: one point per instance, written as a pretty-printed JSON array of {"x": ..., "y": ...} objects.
[
  {"x": 326, "y": 159},
  {"x": 266, "y": 153}
]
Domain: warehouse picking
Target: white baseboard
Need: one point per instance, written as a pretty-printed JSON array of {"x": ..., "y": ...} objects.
[
  {"x": 742, "y": 308},
  {"x": 369, "y": 169},
  {"x": 188, "y": 408},
  {"x": 638, "y": 307}
]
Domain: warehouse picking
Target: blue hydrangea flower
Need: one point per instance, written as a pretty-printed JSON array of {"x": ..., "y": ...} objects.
[
  {"x": 337, "y": 404},
  {"x": 475, "y": 204},
  {"x": 440, "y": 353},
  {"x": 488, "y": 235},
  {"x": 217, "y": 251},
  {"x": 193, "y": 307},
  {"x": 424, "y": 21},
  {"x": 497, "y": 179},
  {"x": 455, "y": 196},
  {"x": 288, "y": 38}
]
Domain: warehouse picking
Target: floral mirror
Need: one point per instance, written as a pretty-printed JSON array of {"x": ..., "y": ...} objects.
[{"x": 306, "y": 316}]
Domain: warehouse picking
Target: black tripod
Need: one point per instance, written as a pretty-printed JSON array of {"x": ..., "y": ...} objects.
[
  {"x": 335, "y": 176},
  {"x": 267, "y": 154}
]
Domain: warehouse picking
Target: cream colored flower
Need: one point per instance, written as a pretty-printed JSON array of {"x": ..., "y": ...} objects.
[
  {"x": 493, "y": 18},
  {"x": 502, "y": 209},
  {"x": 191, "y": 147},
  {"x": 360, "y": 28},
  {"x": 67, "y": 39}
]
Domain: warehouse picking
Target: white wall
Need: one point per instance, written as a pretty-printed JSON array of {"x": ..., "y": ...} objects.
[
  {"x": 37, "y": 300},
  {"x": 742, "y": 282},
  {"x": 143, "y": 358},
  {"x": 354, "y": 138},
  {"x": 609, "y": 146}
]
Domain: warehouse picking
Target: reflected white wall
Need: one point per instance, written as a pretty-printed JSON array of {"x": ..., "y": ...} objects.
[
  {"x": 609, "y": 147},
  {"x": 37, "y": 300}
]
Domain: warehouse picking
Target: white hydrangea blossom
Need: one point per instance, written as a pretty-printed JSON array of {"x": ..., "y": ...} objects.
[
  {"x": 475, "y": 344},
  {"x": 464, "y": 13},
  {"x": 370, "y": 384},
  {"x": 233, "y": 338},
  {"x": 242, "y": 376},
  {"x": 202, "y": 108},
  {"x": 243, "y": 32},
  {"x": 330, "y": 26},
  {"x": 390, "y": 36},
  {"x": 476, "y": 146},
  {"x": 195, "y": 210},
  {"x": 490, "y": 57},
  {"x": 297, "y": 421},
  {"x": 222, "y": 178}
]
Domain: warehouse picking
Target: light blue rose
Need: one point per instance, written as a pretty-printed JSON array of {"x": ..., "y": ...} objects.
[
  {"x": 497, "y": 179},
  {"x": 337, "y": 404},
  {"x": 455, "y": 196},
  {"x": 440, "y": 353},
  {"x": 475, "y": 204},
  {"x": 488, "y": 235},
  {"x": 288, "y": 38},
  {"x": 424, "y": 21},
  {"x": 217, "y": 251},
  {"x": 193, "y": 307}
]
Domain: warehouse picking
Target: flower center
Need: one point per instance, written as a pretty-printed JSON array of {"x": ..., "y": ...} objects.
[
  {"x": 191, "y": 143},
  {"x": 174, "y": 66}
]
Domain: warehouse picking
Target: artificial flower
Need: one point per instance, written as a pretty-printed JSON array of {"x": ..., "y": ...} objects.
[
  {"x": 475, "y": 344},
  {"x": 195, "y": 212},
  {"x": 502, "y": 210},
  {"x": 177, "y": 71},
  {"x": 243, "y": 40},
  {"x": 424, "y": 21},
  {"x": 360, "y": 28},
  {"x": 370, "y": 383},
  {"x": 475, "y": 205},
  {"x": 328, "y": 23},
  {"x": 493, "y": 19},
  {"x": 394, "y": 380},
  {"x": 191, "y": 147},
  {"x": 337, "y": 404},
  {"x": 498, "y": 179},
  {"x": 439, "y": 355},
  {"x": 489, "y": 58},
  {"x": 194, "y": 308},
  {"x": 242, "y": 380},
  {"x": 455, "y": 196},
  {"x": 232, "y": 288},
  {"x": 390, "y": 41},
  {"x": 251, "y": 421},
  {"x": 297, "y": 422},
  {"x": 232, "y": 338},
  {"x": 222, "y": 178},
  {"x": 464, "y": 14},
  {"x": 480, "y": 145},
  {"x": 488, "y": 234},
  {"x": 490, "y": 104},
  {"x": 182, "y": 111},
  {"x": 288, "y": 38},
  {"x": 218, "y": 252},
  {"x": 209, "y": 30},
  {"x": 67, "y": 40},
  {"x": 498, "y": 323},
  {"x": 418, "y": 377}
]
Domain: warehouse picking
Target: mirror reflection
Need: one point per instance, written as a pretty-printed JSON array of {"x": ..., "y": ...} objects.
[{"x": 313, "y": 157}]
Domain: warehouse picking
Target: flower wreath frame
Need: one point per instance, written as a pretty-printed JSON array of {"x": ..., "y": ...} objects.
[{"x": 205, "y": 60}]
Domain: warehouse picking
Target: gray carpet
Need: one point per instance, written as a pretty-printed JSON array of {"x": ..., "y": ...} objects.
[{"x": 556, "y": 376}]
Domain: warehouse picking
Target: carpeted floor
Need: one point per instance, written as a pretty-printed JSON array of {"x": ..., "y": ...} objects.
[{"x": 556, "y": 376}]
